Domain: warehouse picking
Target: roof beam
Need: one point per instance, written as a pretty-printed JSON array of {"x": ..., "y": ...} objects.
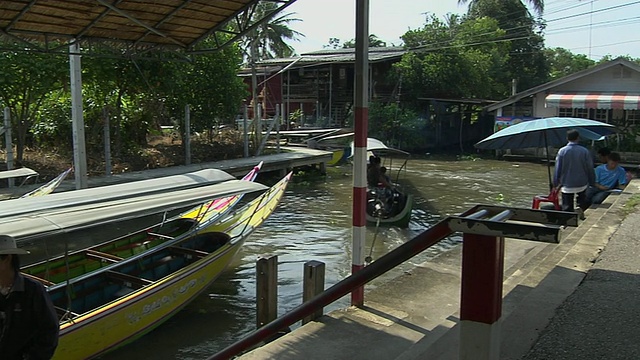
[
  {"x": 96, "y": 20},
  {"x": 22, "y": 12},
  {"x": 164, "y": 19},
  {"x": 140, "y": 23}
]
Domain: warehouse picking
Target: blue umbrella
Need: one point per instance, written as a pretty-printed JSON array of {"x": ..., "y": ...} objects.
[{"x": 544, "y": 133}]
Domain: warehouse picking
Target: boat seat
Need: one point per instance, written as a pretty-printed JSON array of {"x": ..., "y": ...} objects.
[
  {"x": 97, "y": 255},
  {"x": 128, "y": 280},
  {"x": 551, "y": 198},
  {"x": 189, "y": 253},
  {"x": 44, "y": 282},
  {"x": 160, "y": 235},
  {"x": 62, "y": 312}
]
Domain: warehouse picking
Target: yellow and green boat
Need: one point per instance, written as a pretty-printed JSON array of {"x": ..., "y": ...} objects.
[{"x": 111, "y": 294}]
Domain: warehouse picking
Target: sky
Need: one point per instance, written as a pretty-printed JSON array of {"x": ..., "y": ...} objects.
[{"x": 615, "y": 31}]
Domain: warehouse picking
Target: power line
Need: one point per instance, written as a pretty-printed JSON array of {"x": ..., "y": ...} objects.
[{"x": 594, "y": 11}]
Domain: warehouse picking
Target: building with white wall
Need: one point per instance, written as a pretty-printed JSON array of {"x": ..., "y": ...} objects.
[{"x": 608, "y": 92}]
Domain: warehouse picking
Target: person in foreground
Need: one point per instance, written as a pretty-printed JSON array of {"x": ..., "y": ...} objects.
[
  {"x": 28, "y": 321},
  {"x": 573, "y": 173},
  {"x": 609, "y": 176}
]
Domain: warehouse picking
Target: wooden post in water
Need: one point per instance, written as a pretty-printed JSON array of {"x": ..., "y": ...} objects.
[
  {"x": 312, "y": 285},
  {"x": 266, "y": 289}
]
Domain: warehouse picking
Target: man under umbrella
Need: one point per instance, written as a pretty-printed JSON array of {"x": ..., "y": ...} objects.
[
  {"x": 28, "y": 321},
  {"x": 574, "y": 172}
]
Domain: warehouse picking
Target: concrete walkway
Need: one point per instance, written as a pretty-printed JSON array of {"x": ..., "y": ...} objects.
[
  {"x": 600, "y": 320},
  {"x": 416, "y": 316}
]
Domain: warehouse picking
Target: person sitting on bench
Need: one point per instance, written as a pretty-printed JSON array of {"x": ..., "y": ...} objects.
[{"x": 609, "y": 176}]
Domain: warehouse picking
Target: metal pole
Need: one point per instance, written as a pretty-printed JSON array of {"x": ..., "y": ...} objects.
[
  {"x": 259, "y": 122},
  {"x": 281, "y": 106},
  {"x": 390, "y": 260},
  {"x": 107, "y": 143},
  {"x": 79, "y": 148},
  {"x": 187, "y": 135},
  {"x": 288, "y": 97},
  {"x": 330, "y": 93},
  {"x": 481, "y": 298},
  {"x": 8, "y": 141},
  {"x": 245, "y": 126},
  {"x": 360, "y": 138}
]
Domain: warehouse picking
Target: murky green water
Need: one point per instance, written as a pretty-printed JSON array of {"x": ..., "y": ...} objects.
[{"x": 313, "y": 223}]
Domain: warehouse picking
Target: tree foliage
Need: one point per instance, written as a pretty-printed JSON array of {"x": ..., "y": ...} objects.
[
  {"x": 135, "y": 95},
  {"x": 26, "y": 80},
  {"x": 456, "y": 58},
  {"x": 563, "y": 62},
  {"x": 524, "y": 35}
]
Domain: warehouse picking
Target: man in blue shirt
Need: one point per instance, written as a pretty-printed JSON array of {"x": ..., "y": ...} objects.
[
  {"x": 574, "y": 172},
  {"x": 609, "y": 176}
]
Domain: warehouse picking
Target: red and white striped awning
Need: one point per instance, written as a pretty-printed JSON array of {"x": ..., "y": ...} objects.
[{"x": 595, "y": 100}]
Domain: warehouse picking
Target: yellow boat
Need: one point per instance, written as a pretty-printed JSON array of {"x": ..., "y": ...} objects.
[{"x": 118, "y": 302}]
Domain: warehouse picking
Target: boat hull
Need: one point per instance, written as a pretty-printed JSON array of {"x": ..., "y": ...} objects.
[
  {"x": 399, "y": 220},
  {"x": 132, "y": 316}
]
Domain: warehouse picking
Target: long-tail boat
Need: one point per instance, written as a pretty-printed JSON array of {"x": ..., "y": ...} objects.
[
  {"x": 26, "y": 227},
  {"x": 49, "y": 187},
  {"x": 111, "y": 295}
]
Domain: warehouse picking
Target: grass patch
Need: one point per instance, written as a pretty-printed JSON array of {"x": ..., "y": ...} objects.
[{"x": 631, "y": 205}]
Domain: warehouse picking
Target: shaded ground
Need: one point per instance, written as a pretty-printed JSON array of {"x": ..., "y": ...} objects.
[{"x": 161, "y": 151}]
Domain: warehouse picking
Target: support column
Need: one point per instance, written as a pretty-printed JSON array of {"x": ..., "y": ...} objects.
[
  {"x": 107, "y": 142},
  {"x": 187, "y": 135},
  {"x": 79, "y": 148},
  {"x": 360, "y": 147},
  {"x": 481, "y": 299},
  {"x": 9, "y": 143},
  {"x": 245, "y": 131}
]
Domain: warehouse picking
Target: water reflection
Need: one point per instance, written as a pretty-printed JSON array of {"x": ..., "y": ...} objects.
[{"x": 313, "y": 223}]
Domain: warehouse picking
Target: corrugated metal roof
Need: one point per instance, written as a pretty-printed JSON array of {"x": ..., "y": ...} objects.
[
  {"x": 337, "y": 56},
  {"x": 174, "y": 23}
]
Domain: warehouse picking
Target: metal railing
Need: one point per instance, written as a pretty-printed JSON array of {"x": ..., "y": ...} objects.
[{"x": 481, "y": 221}]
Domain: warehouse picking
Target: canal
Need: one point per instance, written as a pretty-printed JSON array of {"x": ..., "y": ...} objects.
[{"x": 313, "y": 223}]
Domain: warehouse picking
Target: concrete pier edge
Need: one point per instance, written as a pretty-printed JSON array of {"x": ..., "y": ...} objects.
[{"x": 415, "y": 316}]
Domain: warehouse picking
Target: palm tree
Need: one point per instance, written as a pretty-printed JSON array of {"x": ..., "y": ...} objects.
[
  {"x": 538, "y": 5},
  {"x": 268, "y": 40}
]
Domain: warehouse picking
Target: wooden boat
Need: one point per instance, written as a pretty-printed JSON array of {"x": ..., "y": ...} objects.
[
  {"x": 386, "y": 207},
  {"x": 24, "y": 227},
  {"x": 49, "y": 187},
  {"x": 103, "y": 194},
  {"x": 105, "y": 300}
]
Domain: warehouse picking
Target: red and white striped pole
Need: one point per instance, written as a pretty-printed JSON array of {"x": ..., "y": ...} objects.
[
  {"x": 481, "y": 298},
  {"x": 360, "y": 144}
]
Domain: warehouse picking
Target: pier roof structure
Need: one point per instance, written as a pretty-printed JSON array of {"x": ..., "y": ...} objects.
[{"x": 176, "y": 24}]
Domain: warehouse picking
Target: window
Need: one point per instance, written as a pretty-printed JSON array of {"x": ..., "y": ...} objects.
[
  {"x": 581, "y": 113},
  {"x": 565, "y": 112},
  {"x": 633, "y": 117},
  {"x": 602, "y": 115}
]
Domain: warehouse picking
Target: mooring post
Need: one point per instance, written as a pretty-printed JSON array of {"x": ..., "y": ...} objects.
[
  {"x": 266, "y": 289},
  {"x": 312, "y": 285},
  {"x": 481, "y": 299},
  {"x": 245, "y": 131}
]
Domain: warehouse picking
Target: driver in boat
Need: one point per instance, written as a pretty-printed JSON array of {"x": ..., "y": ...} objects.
[{"x": 376, "y": 178}]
